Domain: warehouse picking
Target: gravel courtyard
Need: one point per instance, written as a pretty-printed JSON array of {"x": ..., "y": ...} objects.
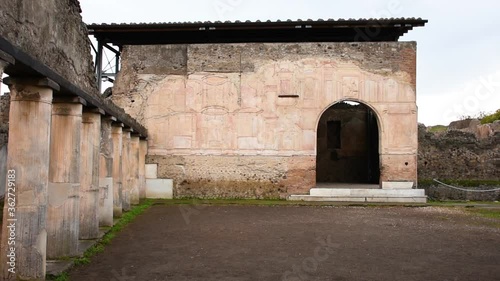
[{"x": 188, "y": 242}]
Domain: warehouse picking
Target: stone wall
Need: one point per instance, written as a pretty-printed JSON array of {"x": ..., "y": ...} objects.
[
  {"x": 52, "y": 32},
  {"x": 261, "y": 177},
  {"x": 462, "y": 158},
  {"x": 253, "y": 101}
]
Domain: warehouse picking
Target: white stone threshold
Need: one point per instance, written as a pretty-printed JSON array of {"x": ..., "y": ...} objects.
[{"x": 363, "y": 195}]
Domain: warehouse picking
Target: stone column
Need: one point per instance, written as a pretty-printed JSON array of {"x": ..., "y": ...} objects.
[
  {"x": 64, "y": 178},
  {"x": 25, "y": 208},
  {"x": 134, "y": 169},
  {"x": 143, "y": 151},
  {"x": 89, "y": 174},
  {"x": 126, "y": 188},
  {"x": 117, "y": 137},
  {"x": 106, "y": 173}
]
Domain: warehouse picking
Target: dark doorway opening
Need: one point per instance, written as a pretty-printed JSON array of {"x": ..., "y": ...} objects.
[{"x": 348, "y": 145}]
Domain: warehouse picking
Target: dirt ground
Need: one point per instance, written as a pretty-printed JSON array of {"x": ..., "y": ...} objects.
[{"x": 300, "y": 243}]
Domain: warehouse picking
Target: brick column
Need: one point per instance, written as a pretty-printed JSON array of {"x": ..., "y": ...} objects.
[
  {"x": 106, "y": 173},
  {"x": 143, "y": 151},
  {"x": 117, "y": 137},
  {"x": 126, "y": 187},
  {"x": 64, "y": 178},
  {"x": 27, "y": 179},
  {"x": 89, "y": 174},
  {"x": 134, "y": 169}
]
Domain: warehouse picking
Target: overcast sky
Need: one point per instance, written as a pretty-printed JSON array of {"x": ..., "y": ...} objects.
[{"x": 458, "y": 51}]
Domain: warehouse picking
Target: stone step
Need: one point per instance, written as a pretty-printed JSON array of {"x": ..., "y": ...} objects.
[
  {"x": 360, "y": 199},
  {"x": 347, "y": 192}
]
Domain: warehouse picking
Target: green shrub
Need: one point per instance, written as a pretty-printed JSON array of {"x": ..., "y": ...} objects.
[
  {"x": 437, "y": 129},
  {"x": 491, "y": 118}
]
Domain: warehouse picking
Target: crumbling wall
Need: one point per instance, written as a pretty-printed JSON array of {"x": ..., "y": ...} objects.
[
  {"x": 246, "y": 102},
  {"x": 459, "y": 157},
  {"x": 52, "y": 32}
]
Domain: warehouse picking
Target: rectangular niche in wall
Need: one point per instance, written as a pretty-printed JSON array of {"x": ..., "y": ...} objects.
[{"x": 333, "y": 134}]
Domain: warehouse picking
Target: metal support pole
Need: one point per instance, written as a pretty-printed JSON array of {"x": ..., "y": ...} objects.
[{"x": 99, "y": 65}]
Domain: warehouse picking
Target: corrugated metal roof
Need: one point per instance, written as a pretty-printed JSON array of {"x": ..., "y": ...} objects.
[
  {"x": 341, "y": 20},
  {"x": 331, "y": 30}
]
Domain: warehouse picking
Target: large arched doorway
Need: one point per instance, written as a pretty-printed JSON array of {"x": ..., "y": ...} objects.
[{"x": 348, "y": 145}]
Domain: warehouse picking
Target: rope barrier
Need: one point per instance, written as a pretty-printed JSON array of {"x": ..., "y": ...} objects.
[{"x": 463, "y": 189}]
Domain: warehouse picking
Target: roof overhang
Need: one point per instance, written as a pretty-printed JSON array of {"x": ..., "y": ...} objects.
[{"x": 360, "y": 30}]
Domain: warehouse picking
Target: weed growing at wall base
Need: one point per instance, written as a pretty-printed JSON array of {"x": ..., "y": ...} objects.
[{"x": 99, "y": 247}]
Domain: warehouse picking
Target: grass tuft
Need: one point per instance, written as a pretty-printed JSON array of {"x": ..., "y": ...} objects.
[
  {"x": 437, "y": 129},
  {"x": 105, "y": 240},
  {"x": 63, "y": 277},
  {"x": 492, "y": 213}
]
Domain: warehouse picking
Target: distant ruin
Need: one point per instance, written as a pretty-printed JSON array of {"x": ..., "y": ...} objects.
[{"x": 466, "y": 154}]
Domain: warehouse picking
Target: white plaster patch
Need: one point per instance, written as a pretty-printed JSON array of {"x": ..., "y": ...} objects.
[
  {"x": 151, "y": 171},
  {"x": 159, "y": 188}
]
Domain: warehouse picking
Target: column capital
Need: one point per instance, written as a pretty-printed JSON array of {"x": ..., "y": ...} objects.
[
  {"x": 128, "y": 129},
  {"x": 135, "y": 135},
  {"x": 32, "y": 81}
]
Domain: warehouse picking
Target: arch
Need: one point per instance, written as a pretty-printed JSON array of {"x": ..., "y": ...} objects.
[
  {"x": 348, "y": 143},
  {"x": 377, "y": 113}
]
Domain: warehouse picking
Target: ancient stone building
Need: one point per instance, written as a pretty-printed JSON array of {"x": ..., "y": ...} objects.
[
  {"x": 246, "y": 110},
  {"x": 256, "y": 109}
]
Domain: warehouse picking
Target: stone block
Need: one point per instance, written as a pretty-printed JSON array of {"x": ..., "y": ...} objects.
[
  {"x": 159, "y": 188},
  {"x": 151, "y": 171},
  {"x": 412, "y": 200},
  {"x": 341, "y": 192},
  {"x": 397, "y": 185},
  {"x": 467, "y": 124},
  {"x": 309, "y": 198}
]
